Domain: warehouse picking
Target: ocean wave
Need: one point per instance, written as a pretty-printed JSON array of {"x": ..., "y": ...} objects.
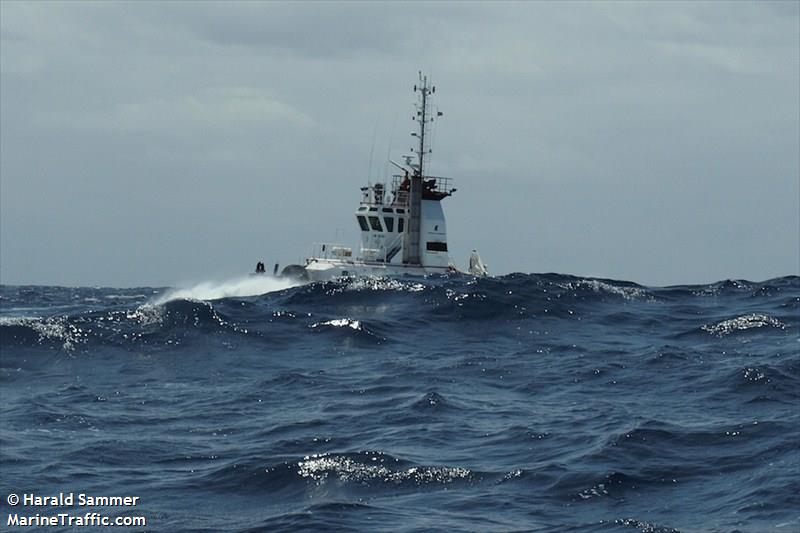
[
  {"x": 49, "y": 331},
  {"x": 767, "y": 382},
  {"x": 643, "y": 526},
  {"x": 235, "y": 288},
  {"x": 380, "y": 284},
  {"x": 339, "y": 323},
  {"x": 356, "y": 470},
  {"x": 627, "y": 291},
  {"x": 377, "y": 468},
  {"x": 541, "y": 401},
  {"x": 376, "y": 310},
  {"x": 348, "y": 328},
  {"x": 146, "y": 323},
  {"x": 742, "y": 323}
]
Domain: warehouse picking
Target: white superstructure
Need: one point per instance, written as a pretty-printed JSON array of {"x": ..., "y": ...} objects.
[{"x": 403, "y": 228}]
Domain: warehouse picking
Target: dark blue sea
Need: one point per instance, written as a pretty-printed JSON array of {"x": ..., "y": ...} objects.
[{"x": 535, "y": 402}]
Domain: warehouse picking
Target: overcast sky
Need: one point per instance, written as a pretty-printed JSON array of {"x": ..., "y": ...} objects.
[{"x": 162, "y": 143}]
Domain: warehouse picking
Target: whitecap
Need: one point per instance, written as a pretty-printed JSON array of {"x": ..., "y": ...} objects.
[
  {"x": 629, "y": 293},
  {"x": 320, "y": 467},
  {"x": 51, "y": 328},
  {"x": 339, "y": 323},
  {"x": 234, "y": 288},
  {"x": 751, "y": 321}
]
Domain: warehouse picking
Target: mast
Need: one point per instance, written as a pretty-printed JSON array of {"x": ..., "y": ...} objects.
[
  {"x": 421, "y": 118},
  {"x": 411, "y": 248}
]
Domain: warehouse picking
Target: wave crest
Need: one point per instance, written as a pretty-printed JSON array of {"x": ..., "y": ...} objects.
[
  {"x": 234, "y": 288},
  {"x": 372, "y": 467},
  {"x": 741, "y": 323},
  {"x": 56, "y": 330}
]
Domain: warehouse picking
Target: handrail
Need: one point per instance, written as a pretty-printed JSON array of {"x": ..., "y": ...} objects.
[{"x": 323, "y": 250}]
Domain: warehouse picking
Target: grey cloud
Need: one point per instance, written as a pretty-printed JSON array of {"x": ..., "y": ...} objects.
[{"x": 149, "y": 143}]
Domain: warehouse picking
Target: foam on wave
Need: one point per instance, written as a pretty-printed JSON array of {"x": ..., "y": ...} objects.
[
  {"x": 744, "y": 322},
  {"x": 51, "y": 329},
  {"x": 233, "y": 288},
  {"x": 379, "y": 468}
]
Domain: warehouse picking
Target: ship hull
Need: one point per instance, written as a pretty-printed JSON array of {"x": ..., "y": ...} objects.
[{"x": 325, "y": 269}]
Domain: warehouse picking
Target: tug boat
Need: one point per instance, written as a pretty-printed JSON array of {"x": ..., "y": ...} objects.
[{"x": 403, "y": 228}]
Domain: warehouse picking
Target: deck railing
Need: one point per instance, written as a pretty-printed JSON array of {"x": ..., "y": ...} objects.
[{"x": 433, "y": 187}]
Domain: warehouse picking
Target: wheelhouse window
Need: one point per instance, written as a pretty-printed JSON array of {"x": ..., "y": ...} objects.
[
  {"x": 401, "y": 222},
  {"x": 436, "y": 246},
  {"x": 362, "y": 221},
  {"x": 389, "y": 221},
  {"x": 375, "y": 223}
]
